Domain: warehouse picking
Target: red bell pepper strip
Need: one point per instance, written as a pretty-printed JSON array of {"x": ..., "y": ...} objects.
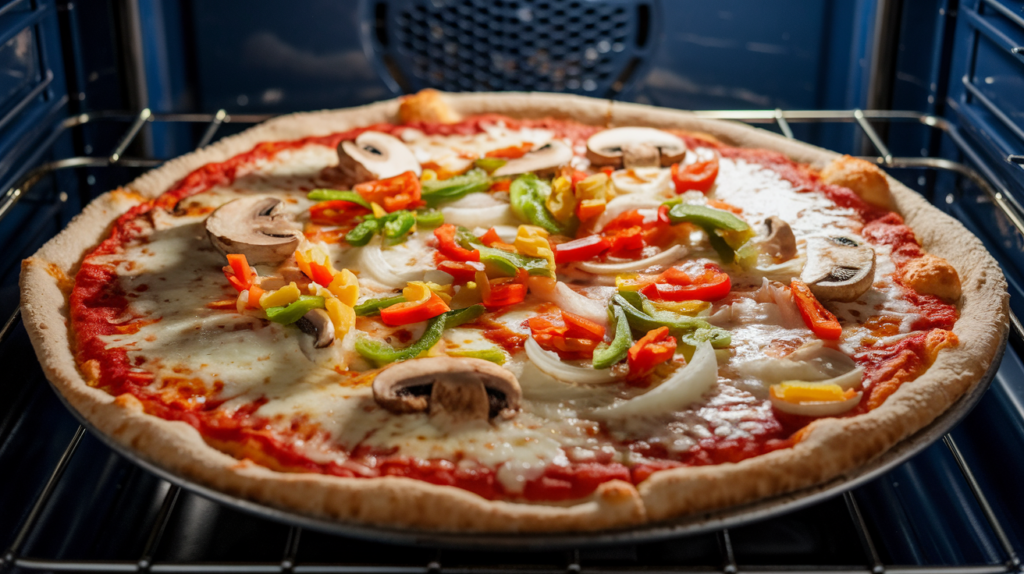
[
  {"x": 501, "y": 185},
  {"x": 674, "y": 285},
  {"x": 817, "y": 318},
  {"x": 450, "y": 248},
  {"x": 576, "y": 339},
  {"x": 625, "y": 220},
  {"x": 394, "y": 193},
  {"x": 698, "y": 176},
  {"x": 581, "y": 249},
  {"x": 335, "y": 212},
  {"x": 651, "y": 350},
  {"x": 238, "y": 272},
  {"x": 511, "y": 152},
  {"x": 320, "y": 273},
  {"x": 503, "y": 294},
  {"x": 581, "y": 327},
  {"x": 462, "y": 271},
  {"x": 626, "y": 242},
  {"x": 414, "y": 311}
]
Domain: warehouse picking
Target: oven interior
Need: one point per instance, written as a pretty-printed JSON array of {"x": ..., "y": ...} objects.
[{"x": 93, "y": 94}]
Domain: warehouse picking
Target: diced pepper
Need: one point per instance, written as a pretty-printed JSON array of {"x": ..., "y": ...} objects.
[
  {"x": 450, "y": 248},
  {"x": 397, "y": 224},
  {"x": 606, "y": 355},
  {"x": 337, "y": 212},
  {"x": 441, "y": 190},
  {"x": 336, "y": 195},
  {"x": 373, "y": 306},
  {"x": 651, "y": 350},
  {"x": 500, "y": 292},
  {"x": 283, "y": 296},
  {"x": 674, "y": 285},
  {"x": 561, "y": 202},
  {"x": 626, "y": 242},
  {"x": 363, "y": 233},
  {"x": 414, "y": 311},
  {"x": 590, "y": 208},
  {"x": 321, "y": 274},
  {"x": 698, "y": 176},
  {"x": 399, "y": 192},
  {"x": 493, "y": 355},
  {"x": 528, "y": 194},
  {"x": 582, "y": 249},
  {"x": 532, "y": 241},
  {"x": 817, "y": 318},
  {"x": 380, "y": 353},
  {"x": 501, "y": 185},
  {"x": 594, "y": 187},
  {"x": 462, "y": 271},
  {"x": 500, "y": 261},
  {"x": 429, "y": 218},
  {"x": 492, "y": 239},
  {"x": 633, "y": 281},
  {"x": 345, "y": 286},
  {"x": 342, "y": 316},
  {"x": 286, "y": 315},
  {"x": 625, "y": 220},
  {"x": 489, "y": 164}
]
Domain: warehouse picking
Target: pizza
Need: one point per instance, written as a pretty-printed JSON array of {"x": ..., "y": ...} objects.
[{"x": 511, "y": 312}]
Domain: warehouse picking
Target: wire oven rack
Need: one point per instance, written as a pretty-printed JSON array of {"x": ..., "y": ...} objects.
[{"x": 13, "y": 557}]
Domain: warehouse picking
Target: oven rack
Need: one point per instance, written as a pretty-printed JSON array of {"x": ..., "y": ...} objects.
[{"x": 982, "y": 176}]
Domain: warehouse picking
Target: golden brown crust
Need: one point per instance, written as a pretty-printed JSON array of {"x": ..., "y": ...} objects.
[
  {"x": 824, "y": 453},
  {"x": 932, "y": 275},
  {"x": 863, "y": 177}
]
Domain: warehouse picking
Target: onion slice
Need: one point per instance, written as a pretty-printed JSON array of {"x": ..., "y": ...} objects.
[
  {"x": 549, "y": 363},
  {"x": 570, "y": 301},
  {"x": 624, "y": 203},
  {"x": 479, "y": 216},
  {"x": 686, "y": 386},
  {"x": 669, "y": 255},
  {"x": 817, "y": 409},
  {"x": 371, "y": 259}
]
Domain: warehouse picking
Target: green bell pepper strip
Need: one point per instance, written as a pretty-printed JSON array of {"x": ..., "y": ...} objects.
[
  {"x": 373, "y": 306},
  {"x": 507, "y": 262},
  {"x": 363, "y": 233},
  {"x": 429, "y": 218},
  {"x": 292, "y": 312},
  {"x": 440, "y": 190},
  {"x": 607, "y": 355},
  {"x": 397, "y": 224},
  {"x": 719, "y": 338},
  {"x": 642, "y": 322},
  {"x": 489, "y": 164},
  {"x": 496, "y": 356},
  {"x": 706, "y": 217},
  {"x": 527, "y": 195},
  {"x": 720, "y": 246},
  {"x": 380, "y": 353},
  {"x": 336, "y": 195}
]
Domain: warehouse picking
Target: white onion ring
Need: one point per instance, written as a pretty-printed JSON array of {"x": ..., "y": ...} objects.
[
  {"x": 549, "y": 363},
  {"x": 669, "y": 255},
  {"x": 479, "y": 216},
  {"x": 371, "y": 259},
  {"x": 622, "y": 204},
  {"x": 568, "y": 300},
  {"x": 655, "y": 180},
  {"x": 817, "y": 409},
  {"x": 686, "y": 386}
]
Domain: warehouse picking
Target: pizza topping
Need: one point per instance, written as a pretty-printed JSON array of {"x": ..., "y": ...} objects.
[
  {"x": 450, "y": 248},
  {"x": 608, "y": 354},
  {"x": 317, "y": 322},
  {"x": 725, "y": 231},
  {"x": 541, "y": 161},
  {"x": 283, "y": 296},
  {"x": 813, "y": 399},
  {"x": 666, "y": 257},
  {"x": 838, "y": 268},
  {"x": 528, "y": 196},
  {"x": 414, "y": 311},
  {"x": 288, "y": 314},
  {"x": 780, "y": 243},
  {"x": 698, "y": 176},
  {"x": 254, "y": 227},
  {"x": 456, "y": 390},
  {"x": 381, "y": 353},
  {"x": 373, "y": 306},
  {"x": 651, "y": 350},
  {"x": 375, "y": 155},
  {"x": 550, "y": 363},
  {"x": 675, "y": 285},
  {"x": 581, "y": 249},
  {"x": 817, "y": 318},
  {"x": 436, "y": 191},
  {"x": 644, "y": 181},
  {"x": 634, "y": 147}
]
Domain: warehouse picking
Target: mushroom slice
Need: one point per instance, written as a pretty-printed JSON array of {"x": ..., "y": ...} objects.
[
  {"x": 254, "y": 227},
  {"x": 838, "y": 268},
  {"x": 375, "y": 155},
  {"x": 457, "y": 389},
  {"x": 632, "y": 147},
  {"x": 542, "y": 160},
  {"x": 318, "y": 323},
  {"x": 780, "y": 243}
]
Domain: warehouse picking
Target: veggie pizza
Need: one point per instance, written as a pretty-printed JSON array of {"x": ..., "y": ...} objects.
[{"x": 512, "y": 312}]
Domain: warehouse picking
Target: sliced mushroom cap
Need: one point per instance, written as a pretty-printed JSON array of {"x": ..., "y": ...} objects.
[
  {"x": 318, "y": 323},
  {"x": 254, "y": 227},
  {"x": 543, "y": 160},
  {"x": 457, "y": 389},
  {"x": 375, "y": 155},
  {"x": 838, "y": 268},
  {"x": 780, "y": 243},
  {"x": 632, "y": 147}
]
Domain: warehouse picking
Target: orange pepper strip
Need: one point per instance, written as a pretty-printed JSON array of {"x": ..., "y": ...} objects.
[
  {"x": 238, "y": 272},
  {"x": 817, "y": 318},
  {"x": 414, "y": 311},
  {"x": 582, "y": 328},
  {"x": 320, "y": 273},
  {"x": 511, "y": 152},
  {"x": 651, "y": 350}
]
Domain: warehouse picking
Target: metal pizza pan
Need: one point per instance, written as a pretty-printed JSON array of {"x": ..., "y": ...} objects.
[{"x": 679, "y": 527}]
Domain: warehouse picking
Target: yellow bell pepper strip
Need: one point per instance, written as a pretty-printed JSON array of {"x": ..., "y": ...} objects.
[
  {"x": 378, "y": 211},
  {"x": 342, "y": 315},
  {"x": 503, "y": 261},
  {"x": 690, "y": 308},
  {"x": 527, "y": 197},
  {"x": 608, "y": 354},
  {"x": 439, "y": 191},
  {"x": 493, "y": 355},
  {"x": 561, "y": 202},
  {"x": 345, "y": 286},
  {"x": 713, "y": 220},
  {"x": 373, "y": 306},
  {"x": 414, "y": 311},
  {"x": 592, "y": 195},
  {"x": 489, "y": 164},
  {"x": 336, "y": 195},
  {"x": 283, "y": 296},
  {"x": 803, "y": 392},
  {"x": 286, "y": 315},
  {"x": 532, "y": 241},
  {"x": 380, "y": 353}
]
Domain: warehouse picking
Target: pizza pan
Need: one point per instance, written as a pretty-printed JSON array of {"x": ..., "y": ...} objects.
[{"x": 683, "y": 526}]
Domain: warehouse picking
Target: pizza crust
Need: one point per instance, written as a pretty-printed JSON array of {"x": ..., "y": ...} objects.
[{"x": 822, "y": 455}]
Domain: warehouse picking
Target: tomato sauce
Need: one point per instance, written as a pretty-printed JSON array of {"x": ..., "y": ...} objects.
[{"x": 99, "y": 307}]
